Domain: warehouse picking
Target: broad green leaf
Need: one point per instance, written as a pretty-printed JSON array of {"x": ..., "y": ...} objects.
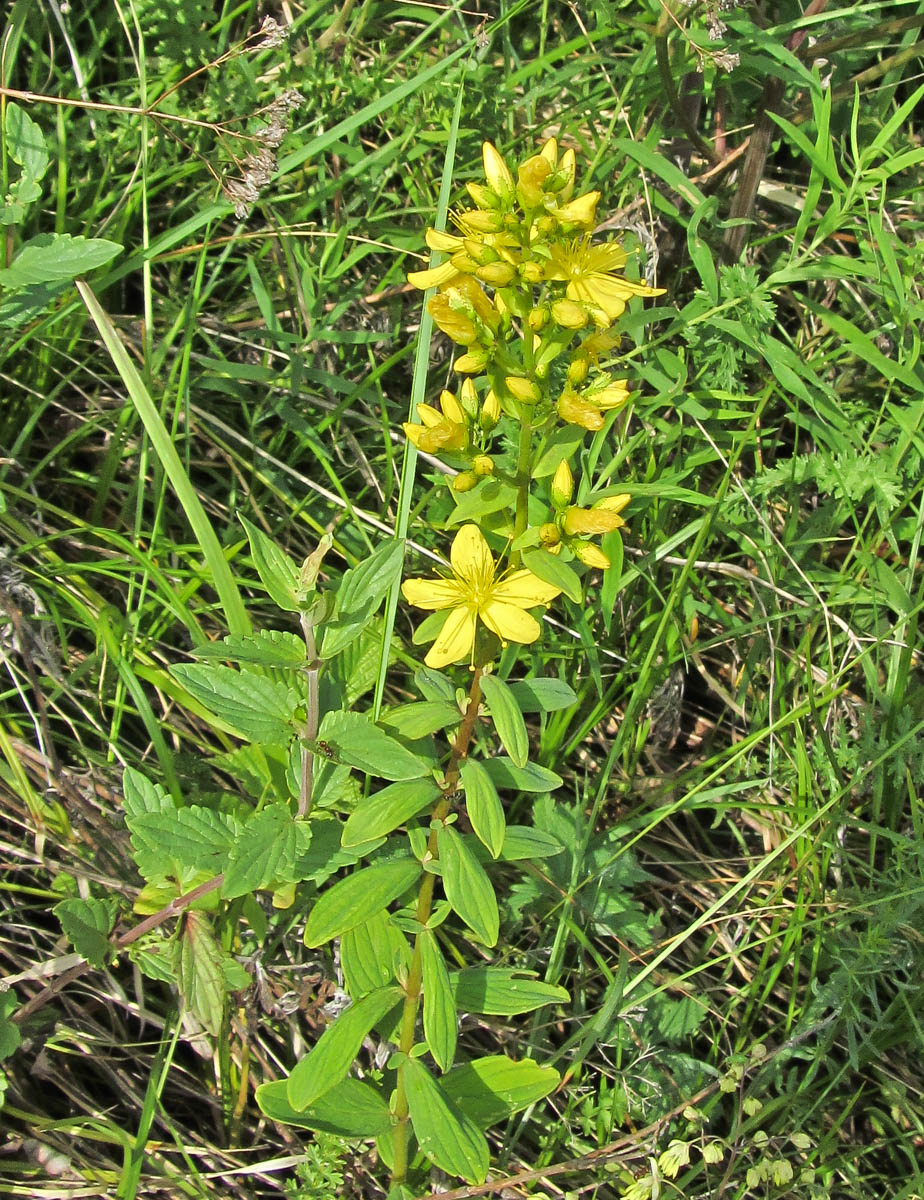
[
  {"x": 421, "y": 718},
  {"x": 355, "y": 740},
  {"x": 358, "y": 898},
  {"x": 360, "y": 593},
  {"x": 266, "y": 851},
  {"x": 192, "y": 837},
  {"x": 387, "y": 809},
  {"x": 507, "y": 718},
  {"x": 531, "y": 778},
  {"x": 491, "y": 496},
  {"x": 335, "y": 1050},
  {"x": 278, "y": 572},
  {"x": 561, "y": 443},
  {"x": 525, "y": 841},
  {"x": 483, "y": 806},
  {"x": 434, "y": 685},
  {"x": 439, "y": 1011},
  {"x": 501, "y": 992},
  {"x": 56, "y": 258},
  {"x": 25, "y": 142},
  {"x": 551, "y": 569},
  {"x": 141, "y": 796},
  {"x": 443, "y": 1130},
  {"x": 543, "y": 694},
  {"x": 467, "y": 887},
  {"x": 352, "y": 1109},
  {"x": 268, "y": 647},
  {"x": 88, "y": 923},
  {"x": 252, "y": 705},
  {"x": 370, "y": 954},
  {"x": 492, "y": 1089},
  {"x": 200, "y": 971}
]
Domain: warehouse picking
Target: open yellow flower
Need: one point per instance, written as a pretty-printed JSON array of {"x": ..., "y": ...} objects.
[
  {"x": 477, "y": 593},
  {"x": 590, "y": 272}
]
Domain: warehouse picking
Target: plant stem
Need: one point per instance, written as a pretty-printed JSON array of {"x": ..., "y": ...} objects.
[{"x": 441, "y": 810}]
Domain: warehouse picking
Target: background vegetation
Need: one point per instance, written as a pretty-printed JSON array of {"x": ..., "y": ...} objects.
[{"x": 739, "y": 913}]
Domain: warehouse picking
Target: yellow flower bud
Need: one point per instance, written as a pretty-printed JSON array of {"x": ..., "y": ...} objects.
[
  {"x": 464, "y": 262},
  {"x": 496, "y": 172},
  {"x": 581, "y": 212},
  {"x": 483, "y": 464},
  {"x": 472, "y": 291},
  {"x": 545, "y": 226},
  {"x": 478, "y": 251},
  {"x": 579, "y": 522},
  {"x": 550, "y": 151},
  {"x": 468, "y": 398},
  {"x": 523, "y": 390},
  {"x": 530, "y": 177},
  {"x": 566, "y": 171},
  {"x": 612, "y": 395},
  {"x": 490, "y": 412},
  {"x": 455, "y": 324},
  {"x": 562, "y": 485},
  {"x": 577, "y": 369},
  {"x": 497, "y": 274},
  {"x": 590, "y": 555},
  {"x": 464, "y": 481},
  {"x": 473, "y": 361},
  {"x": 483, "y": 197},
  {"x": 614, "y": 504},
  {"x": 478, "y": 221},
  {"x": 549, "y": 535},
  {"x": 537, "y": 318},
  {"x": 451, "y": 407},
  {"x": 599, "y": 343},
  {"x": 569, "y": 314},
  {"x": 575, "y": 411},
  {"x": 531, "y": 272}
]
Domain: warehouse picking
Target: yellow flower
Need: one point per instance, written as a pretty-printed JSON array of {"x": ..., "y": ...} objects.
[
  {"x": 446, "y": 430},
  {"x": 477, "y": 593},
  {"x": 590, "y": 272},
  {"x": 602, "y": 518}
]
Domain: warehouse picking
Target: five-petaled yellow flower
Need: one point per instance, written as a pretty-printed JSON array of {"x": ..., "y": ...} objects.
[
  {"x": 476, "y": 592},
  {"x": 590, "y": 271}
]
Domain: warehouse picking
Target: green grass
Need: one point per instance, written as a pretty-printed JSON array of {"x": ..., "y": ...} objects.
[{"x": 742, "y": 805}]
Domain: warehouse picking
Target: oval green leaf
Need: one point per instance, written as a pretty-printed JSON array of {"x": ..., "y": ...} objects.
[
  {"x": 483, "y": 806},
  {"x": 370, "y": 954},
  {"x": 531, "y": 778},
  {"x": 444, "y": 1132},
  {"x": 350, "y": 1109},
  {"x": 355, "y": 740},
  {"x": 500, "y": 992},
  {"x": 507, "y": 718},
  {"x": 491, "y": 1089},
  {"x": 357, "y": 898},
  {"x": 386, "y": 810},
  {"x": 467, "y": 887},
  {"x": 439, "y": 1010}
]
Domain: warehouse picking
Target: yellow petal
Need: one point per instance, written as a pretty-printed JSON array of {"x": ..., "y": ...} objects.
[
  {"x": 550, "y": 151},
  {"x": 429, "y": 416},
  {"x": 581, "y": 211},
  {"x": 524, "y": 589},
  {"x": 455, "y": 639},
  {"x": 590, "y": 555},
  {"x": 451, "y": 408},
  {"x": 471, "y": 558},
  {"x": 433, "y": 594},
  {"x": 437, "y": 239},
  {"x": 614, "y": 503},
  {"x": 591, "y": 521},
  {"x": 511, "y": 624},
  {"x": 432, "y": 277}
]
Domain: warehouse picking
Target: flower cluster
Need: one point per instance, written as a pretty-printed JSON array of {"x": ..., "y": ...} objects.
[{"x": 532, "y": 300}]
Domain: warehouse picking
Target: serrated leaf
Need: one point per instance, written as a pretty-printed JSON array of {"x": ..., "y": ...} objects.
[
  {"x": 88, "y": 923},
  {"x": 500, "y": 992},
  {"x": 444, "y": 1132},
  {"x": 25, "y": 143},
  {"x": 200, "y": 974},
  {"x": 550, "y": 569},
  {"x": 439, "y": 1010},
  {"x": 357, "y": 898},
  {"x": 54, "y": 258},
  {"x": 467, "y": 887},
  {"x": 494, "y": 1088},
  {"x": 483, "y": 806},
  {"x": 355, "y": 740},
  {"x": 507, "y": 718},
  {"x": 334, "y": 1052},
  {"x": 531, "y": 778},
  {"x": 386, "y": 810},
  {"x": 252, "y": 705},
  {"x": 141, "y": 796},
  {"x": 350, "y": 1109},
  {"x": 278, "y": 572},
  {"x": 542, "y": 695},
  {"x": 525, "y": 841},
  {"x": 192, "y": 837},
  {"x": 265, "y": 852},
  {"x": 421, "y": 718},
  {"x": 371, "y": 953},
  {"x": 268, "y": 647}
]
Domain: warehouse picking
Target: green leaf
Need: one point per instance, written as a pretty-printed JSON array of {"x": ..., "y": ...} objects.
[
  {"x": 269, "y": 648},
  {"x": 335, "y": 1050},
  {"x": 278, "y": 572},
  {"x": 361, "y": 591},
  {"x": 266, "y": 851},
  {"x": 200, "y": 972},
  {"x": 550, "y": 569},
  {"x": 507, "y": 718},
  {"x": 434, "y": 685},
  {"x": 531, "y": 778},
  {"x": 483, "y": 806},
  {"x": 358, "y": 898},
  {"x": 443, "y": 1130},
  {"x": 387, "y": 809},
  {"x": 350, "y": 1109},
  {"x": 492, "y": 1089},
  {"x": 10, "y": 1036},
  {"x": 371, "y": 953},
  {"x": 141, "y": 796},
  {"x": 421, "y": 718},
  {"x": 56, "y": 258},
  {"x": 25, "y": 142},
  {"x": 542, "y": 695},
  {"x": 355, "y": 740},
  {"x": 439, "y": 1010},
  {"x": 88, "y": 924},
  {"x": 525, "y": 841},
  {"x": 500, "y": 992},
  {"x": 252, "y": 705},
  {"x": 467, "y": 887},
  {"x": 193, "y": 837}
]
